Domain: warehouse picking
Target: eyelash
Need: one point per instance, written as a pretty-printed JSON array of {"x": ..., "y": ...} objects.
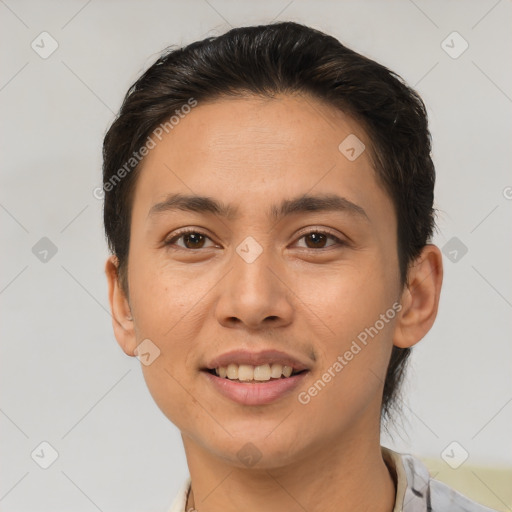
[{"x": 180, "y": 234}]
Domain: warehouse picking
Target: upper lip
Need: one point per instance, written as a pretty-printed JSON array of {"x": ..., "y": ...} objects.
[{"x": 257, "y": 359}]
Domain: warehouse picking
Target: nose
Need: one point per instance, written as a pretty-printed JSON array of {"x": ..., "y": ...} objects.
[{"x": 255, "y": 293}]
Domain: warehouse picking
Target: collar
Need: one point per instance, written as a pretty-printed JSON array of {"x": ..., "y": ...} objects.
[{"x": 411, "y": 480}]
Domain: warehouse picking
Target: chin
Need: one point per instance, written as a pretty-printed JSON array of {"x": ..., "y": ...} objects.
[{"x": 258, "y": 448}]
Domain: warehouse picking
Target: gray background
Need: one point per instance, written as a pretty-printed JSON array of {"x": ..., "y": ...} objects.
[{"x": 64, "y": 379}]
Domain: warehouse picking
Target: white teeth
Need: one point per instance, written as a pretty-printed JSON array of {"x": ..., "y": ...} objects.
[
  {"x": 276, "y": 371},
  {"x": 232, "y": 371},
  {"x": 247, "y": 372},
  {"x": 262, "y": 372}
]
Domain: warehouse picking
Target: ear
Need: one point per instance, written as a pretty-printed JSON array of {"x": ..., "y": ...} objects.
[
  {"x": 420, "y": 298},
  {"x": 122, "y": 320}
]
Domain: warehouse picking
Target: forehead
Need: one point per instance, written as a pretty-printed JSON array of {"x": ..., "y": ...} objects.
[
  {"x": 286, "y": 125},
  {"x": 259, "y": 148}
]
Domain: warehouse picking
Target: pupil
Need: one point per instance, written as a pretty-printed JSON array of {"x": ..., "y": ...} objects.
[
  {"x": 195, "y": 237},
  {"x": 317, "y": 237}
]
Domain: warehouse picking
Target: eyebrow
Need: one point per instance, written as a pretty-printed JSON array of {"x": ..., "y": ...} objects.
[{"x": 302, "y": 204}]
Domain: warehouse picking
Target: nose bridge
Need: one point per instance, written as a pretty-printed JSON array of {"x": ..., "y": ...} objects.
[{"x": 251, "y": 262}]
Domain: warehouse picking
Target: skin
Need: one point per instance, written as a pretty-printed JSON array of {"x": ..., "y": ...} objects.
[{"x": 305, "y": 299}]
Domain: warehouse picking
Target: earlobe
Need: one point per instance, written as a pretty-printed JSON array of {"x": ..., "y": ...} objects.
[
  {"x": 122, "y": 319},
  {"x": 420, "y": 298}
]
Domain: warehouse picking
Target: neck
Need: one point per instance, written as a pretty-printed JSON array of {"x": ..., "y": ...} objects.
[{"x": 341, "y": 476}]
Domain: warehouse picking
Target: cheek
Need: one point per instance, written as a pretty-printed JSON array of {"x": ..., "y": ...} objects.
[
  {"x": 167, "y": 384},
  {"x": 349, "y": 380},
  {"x": 168, "y": 310},
  {"x": 171, "y": 378},
  {"x": 165, "y": 296},
  {"x": 357, "y": 309},
  {"x": 346, "y": 300}
]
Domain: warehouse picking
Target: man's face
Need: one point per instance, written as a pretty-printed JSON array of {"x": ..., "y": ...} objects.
[{"x": 307, "y": 284}]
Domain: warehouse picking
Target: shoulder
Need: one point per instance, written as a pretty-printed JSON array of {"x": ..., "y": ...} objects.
[
  {"x": 424, "y": 493},
  {"x": 444, "y": 498},
  {"x": 417, "y": 490}
]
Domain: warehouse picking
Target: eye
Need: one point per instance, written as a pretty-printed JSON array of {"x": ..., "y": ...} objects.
[
  {"x": 192, "y": 239},
  {"x": 317, "y": 238}
]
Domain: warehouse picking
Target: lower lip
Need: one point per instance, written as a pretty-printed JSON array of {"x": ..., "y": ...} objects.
[{"x": 255, "y": 393}]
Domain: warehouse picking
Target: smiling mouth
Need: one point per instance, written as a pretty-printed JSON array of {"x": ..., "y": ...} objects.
[{"x": 248, "y": 374}]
